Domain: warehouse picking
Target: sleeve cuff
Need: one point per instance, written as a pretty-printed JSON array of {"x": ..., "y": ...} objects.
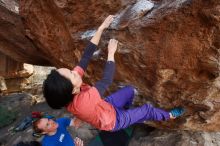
[
  {"x": 79, "y": 70},
  {"x": 92, "y": 45},
  {"x": 110, "y": 62}
]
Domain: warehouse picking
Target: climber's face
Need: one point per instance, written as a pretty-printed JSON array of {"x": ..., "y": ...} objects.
[
  {"x": 73, "y": 76},
  {"x": 47, "y": 125}
]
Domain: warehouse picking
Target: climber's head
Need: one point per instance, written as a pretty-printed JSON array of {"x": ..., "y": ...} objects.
[{"x": 59, "y": 87}]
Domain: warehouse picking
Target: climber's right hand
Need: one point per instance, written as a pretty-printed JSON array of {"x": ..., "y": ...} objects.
[{"x": 107, "y": 22}]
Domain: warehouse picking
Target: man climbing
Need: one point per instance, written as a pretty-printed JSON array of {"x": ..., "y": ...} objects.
[
  {"x": 65, "y": 88},
  {"x": 55, "y": 132}
]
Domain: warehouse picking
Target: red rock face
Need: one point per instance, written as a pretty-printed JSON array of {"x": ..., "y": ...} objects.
[
  {"x": 170, "y": 53},
  {"x": 13, "y": 41}
]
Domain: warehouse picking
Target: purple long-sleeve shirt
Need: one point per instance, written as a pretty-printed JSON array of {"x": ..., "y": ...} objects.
[{"x": 109, "y": 70}]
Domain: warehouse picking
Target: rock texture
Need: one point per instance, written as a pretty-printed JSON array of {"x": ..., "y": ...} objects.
[
  {"x": 13, "y": 40},
  {"x": 177, "y": 138},
  {"x": 170, "y": 53},
  {"x": 15, "y": 49},
  {"x": 14, "y": 75},
  {"x": 9, "y": 66}
]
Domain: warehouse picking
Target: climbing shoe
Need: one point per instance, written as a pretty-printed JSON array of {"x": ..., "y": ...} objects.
[{"x": 177, "y": 112}]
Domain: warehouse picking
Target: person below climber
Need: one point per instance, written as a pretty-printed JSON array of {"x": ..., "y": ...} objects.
[
  {"x": 55, "y": 132},
  {"x": 65, "y": 88}
]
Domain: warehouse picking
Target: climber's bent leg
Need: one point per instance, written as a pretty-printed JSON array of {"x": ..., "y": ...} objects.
[
  {"x": 125, "y": 118},
  {"x": 122, "y": 97}
]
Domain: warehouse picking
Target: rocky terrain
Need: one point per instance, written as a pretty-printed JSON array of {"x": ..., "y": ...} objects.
[
  {"x": 23, "y": 103},
  {"x": 168, "y": 49}
]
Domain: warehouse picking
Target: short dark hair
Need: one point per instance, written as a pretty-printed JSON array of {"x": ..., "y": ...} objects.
[{"x": 57, "y": 90}]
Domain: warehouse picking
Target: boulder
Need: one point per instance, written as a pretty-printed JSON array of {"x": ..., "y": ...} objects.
[{"x": 168, "y": 49}]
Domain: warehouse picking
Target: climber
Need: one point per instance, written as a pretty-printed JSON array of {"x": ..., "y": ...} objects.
[
  {"x": 65, "y": 88},
  {"x": 55, "y": 132}
]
